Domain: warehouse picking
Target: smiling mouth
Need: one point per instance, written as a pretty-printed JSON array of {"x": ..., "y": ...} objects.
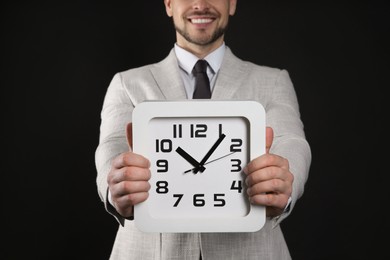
[{"x": 201, "y": 20}]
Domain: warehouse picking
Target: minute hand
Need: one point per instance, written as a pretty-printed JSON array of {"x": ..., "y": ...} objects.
[{"x": 209, "y": 153}]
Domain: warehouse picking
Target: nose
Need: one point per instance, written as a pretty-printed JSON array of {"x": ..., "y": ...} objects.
[{"x": 200, "y": 5}]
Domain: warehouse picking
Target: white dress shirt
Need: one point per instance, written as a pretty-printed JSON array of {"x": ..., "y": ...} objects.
[{"x": 187, "y": 62}]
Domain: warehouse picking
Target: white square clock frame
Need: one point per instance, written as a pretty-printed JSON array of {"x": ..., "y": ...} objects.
[{"x": 197, "y": 150}]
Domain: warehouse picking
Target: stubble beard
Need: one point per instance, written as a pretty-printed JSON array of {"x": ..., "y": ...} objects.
[{"x": 202, "y": 40}]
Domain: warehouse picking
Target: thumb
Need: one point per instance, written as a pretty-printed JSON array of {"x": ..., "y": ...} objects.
[
  {"x": 129, "y": 134},
  {"x": 269, "y": 137}
]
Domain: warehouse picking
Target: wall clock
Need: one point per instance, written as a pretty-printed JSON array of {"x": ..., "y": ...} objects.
[{"x": 197, "y": 150}]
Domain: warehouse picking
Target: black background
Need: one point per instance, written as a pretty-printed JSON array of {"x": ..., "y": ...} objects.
[{"x": 57, "y": 60}]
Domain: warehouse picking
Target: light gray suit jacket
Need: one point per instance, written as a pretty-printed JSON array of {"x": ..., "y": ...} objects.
[{"x": 237, "y": 79}]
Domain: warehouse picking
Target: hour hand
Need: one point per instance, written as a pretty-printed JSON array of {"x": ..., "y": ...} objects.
[{"x": 190, "y": 159}]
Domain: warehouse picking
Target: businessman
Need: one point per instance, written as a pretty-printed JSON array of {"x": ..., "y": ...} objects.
[{"x": 275, "y": 180}]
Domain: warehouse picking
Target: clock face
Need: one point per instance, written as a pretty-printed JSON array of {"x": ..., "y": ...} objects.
[
  {"x": 180, "y": 188},
  {"x": 198, "y": 150}
]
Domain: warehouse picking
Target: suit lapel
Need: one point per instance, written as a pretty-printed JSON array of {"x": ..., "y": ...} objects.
[
  {"x": 229, "y": 79},
  {"x": 167, "y": 76},
  {"x": 232, "y": 73}
]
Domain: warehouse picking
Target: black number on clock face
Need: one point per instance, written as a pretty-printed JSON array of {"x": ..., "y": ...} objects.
[
  {"x": 178, "y": 131},
  {"x": 162, "y": 165},
  {"x": 219, "y": 201},
  {"x": 164, "y": 145},
  {"x": 199, "y": 201},
  {"x": 198, "y": 130},
  {"x": 179, "y": 197},
  {"x": 236, "y": 145},
  {"x": 162, "y": 187},
  {"x": 236, "y": 165},
  {"x": 237, "y": 185}
]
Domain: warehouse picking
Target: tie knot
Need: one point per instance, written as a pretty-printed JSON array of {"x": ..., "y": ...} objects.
[{"x": 200, "y": 66}]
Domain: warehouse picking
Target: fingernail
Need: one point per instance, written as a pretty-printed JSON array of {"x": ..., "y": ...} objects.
[{"x": 246, "y": 170}]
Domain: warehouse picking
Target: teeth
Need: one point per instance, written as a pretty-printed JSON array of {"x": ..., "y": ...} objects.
[{"x": 198, "y": 21}]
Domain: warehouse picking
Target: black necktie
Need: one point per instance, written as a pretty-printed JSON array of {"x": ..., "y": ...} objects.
[{"x": 202, "y": 83}]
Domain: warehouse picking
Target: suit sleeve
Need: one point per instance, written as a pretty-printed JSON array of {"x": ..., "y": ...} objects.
[
  {"x": 289, "y": 138},
  {"x": 115, "y": 115}
]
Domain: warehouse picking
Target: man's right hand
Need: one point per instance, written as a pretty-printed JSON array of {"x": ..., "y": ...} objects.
[{"x": 128, "y": 180}]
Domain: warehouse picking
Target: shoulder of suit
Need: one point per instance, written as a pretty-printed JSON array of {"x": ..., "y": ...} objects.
[
  {"x": 145, "y": 69},
  {"x": 230, "y": 56}
]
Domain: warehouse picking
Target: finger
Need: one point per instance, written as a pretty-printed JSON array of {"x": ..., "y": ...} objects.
[
  {"x": 265, "y": 174},
  {"x": 125, "y": 188},
  {"x": 135, "y": 198},
  {"x": 130, "y": 159},
  {"x": 270, "y": 200},
  {"x": 276, "y": 186},
  {"x": 269, "y": 137},
  {"x": 130, "y": 174},
  {"x": 129, "y": 134},
  {"x": 266, "y": 160},
  {"x": 124, "y": 205}
]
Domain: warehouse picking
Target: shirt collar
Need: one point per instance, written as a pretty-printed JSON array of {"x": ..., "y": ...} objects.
[{"x": 187, "y": 60}]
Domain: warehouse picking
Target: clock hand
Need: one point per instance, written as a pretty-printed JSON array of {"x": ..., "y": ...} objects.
[
  {"x": 220, "y": 158},
  {"x": 226, "y": 155},
  {"x": 190, "y": 159},
  {"x": 209, "y": 153}
]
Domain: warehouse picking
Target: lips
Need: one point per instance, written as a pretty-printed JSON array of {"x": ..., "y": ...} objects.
[{"x": 201, "y": 20}]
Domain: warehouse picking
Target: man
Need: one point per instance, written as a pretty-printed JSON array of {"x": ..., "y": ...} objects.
[{"x": 275, "y": 180}]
